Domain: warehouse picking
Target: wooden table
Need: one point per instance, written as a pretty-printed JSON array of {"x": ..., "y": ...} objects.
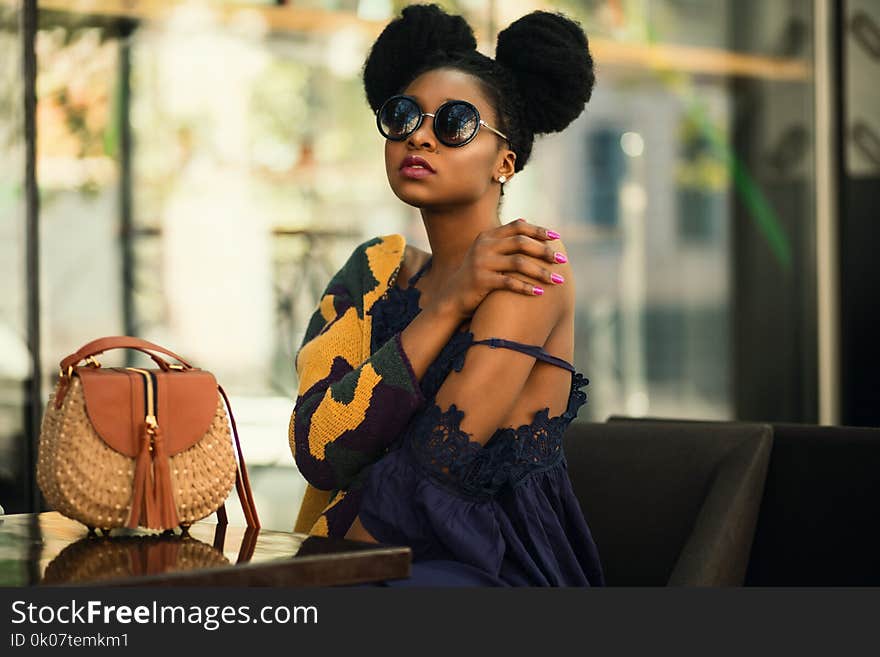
[{"x": 50, "y": 549}]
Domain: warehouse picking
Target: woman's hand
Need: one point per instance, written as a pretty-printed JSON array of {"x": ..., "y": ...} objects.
[{"x": 515, "y": 247}]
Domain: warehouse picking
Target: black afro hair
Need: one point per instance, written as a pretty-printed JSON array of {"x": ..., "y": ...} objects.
[
  {"x": 550, "y": 59},
  {"x": 421, "y": 33}
]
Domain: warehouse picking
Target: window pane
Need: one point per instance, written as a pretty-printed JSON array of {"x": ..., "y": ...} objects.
[{"x": 685, "y": 195}]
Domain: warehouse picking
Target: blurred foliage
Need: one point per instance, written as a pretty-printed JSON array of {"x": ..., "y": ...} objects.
[
  {"x": 77, "y": 99},
  {"x": 699, "y": 165},
  {"x": 280, "y": 100}
]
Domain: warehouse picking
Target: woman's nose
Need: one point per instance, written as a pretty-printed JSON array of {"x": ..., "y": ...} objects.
[{"x": 424, "y": 135}]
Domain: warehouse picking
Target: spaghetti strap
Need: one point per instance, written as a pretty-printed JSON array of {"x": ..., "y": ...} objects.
[
  {"x": 422, "y": 269},
  {"x": 530, "y": 349}
]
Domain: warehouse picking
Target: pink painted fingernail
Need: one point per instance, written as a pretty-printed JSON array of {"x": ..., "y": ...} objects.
[
  {"x": 538, "y": 290},
  {"x": 556, "y": 278},
  {"x": 552, "y": 234},
  {"x": 560, "y": 257}
]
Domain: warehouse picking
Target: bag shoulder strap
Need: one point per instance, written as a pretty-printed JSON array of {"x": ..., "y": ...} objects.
[{"x": 242, "y": 483}]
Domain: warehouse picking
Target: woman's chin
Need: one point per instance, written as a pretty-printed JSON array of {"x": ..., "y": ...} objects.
[
  {"x": 412, "y": 195},
  {"x": 421, "y": 196}
]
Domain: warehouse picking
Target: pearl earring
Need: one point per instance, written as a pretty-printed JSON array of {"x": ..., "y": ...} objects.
[{"x": 502, "y": 179}]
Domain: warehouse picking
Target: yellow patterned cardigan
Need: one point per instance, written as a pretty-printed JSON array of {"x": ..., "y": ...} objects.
[{"x": 351, "y": 403}]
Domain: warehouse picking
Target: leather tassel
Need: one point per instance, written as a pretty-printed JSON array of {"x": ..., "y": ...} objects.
[
  {"x": 142, "y": 480},
  {"x": 165, "y": 511},
  {"x": 152, "y": 503}
]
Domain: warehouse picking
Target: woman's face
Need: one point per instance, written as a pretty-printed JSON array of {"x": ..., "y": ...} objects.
[{"x": 462, "y": 175}]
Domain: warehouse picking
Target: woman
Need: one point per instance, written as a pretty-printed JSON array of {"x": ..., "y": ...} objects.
[{"x": 421, "y": 439}]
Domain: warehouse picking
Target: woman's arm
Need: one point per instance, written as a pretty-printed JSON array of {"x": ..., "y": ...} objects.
[
  {"x": 491, "y": 380},
  {"x": 347, "y": 410}
]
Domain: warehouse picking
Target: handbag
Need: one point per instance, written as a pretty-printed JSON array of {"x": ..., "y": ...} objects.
[{"x": 134, "y": 447}]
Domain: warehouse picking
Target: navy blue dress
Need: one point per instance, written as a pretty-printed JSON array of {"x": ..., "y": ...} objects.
[{"x": 503, "y": 514}]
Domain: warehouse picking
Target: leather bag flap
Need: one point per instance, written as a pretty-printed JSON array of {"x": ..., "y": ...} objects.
[{"x": 115, "y": 403}]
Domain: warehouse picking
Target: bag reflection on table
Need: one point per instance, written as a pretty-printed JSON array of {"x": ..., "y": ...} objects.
[{"x": 95, "y": 558}]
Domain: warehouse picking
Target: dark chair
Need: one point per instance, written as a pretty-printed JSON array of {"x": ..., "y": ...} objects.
[
  {"x": 670, "y": 505},
  {"x": 818, "y": 523}
]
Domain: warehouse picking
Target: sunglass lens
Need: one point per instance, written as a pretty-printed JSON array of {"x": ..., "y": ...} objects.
[
  {"x": 398, "y": 118},
  {"x": 455, "y": 123}
]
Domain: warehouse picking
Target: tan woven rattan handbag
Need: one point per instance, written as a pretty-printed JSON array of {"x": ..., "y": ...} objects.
[{"x": 129, "y": 447}]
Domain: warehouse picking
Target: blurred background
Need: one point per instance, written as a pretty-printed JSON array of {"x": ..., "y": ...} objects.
[{"x": 193, "y": 172}]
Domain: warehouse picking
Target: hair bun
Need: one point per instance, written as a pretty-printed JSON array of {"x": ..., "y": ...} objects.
[
  {"x": 549, "y": 57},
  {"x": 405, "y": 45}
]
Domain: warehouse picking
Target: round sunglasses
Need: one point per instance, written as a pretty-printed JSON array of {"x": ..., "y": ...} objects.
[{"x": 456, "y": 122}]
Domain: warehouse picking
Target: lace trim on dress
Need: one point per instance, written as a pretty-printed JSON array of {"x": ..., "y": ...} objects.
[
  {"x": 446, "y": 452},
  {"x": 395, "y": 309}
]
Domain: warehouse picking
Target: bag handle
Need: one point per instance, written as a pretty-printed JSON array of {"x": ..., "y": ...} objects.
[{"x": 101, "y": 345}]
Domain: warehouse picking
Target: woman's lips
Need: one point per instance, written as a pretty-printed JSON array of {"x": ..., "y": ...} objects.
[{"x": 415, "y": 172}]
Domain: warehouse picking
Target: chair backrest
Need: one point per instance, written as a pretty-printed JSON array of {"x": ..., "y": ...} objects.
[
  {"x": 669, "y": 505},
  {"x": 818, "y": 523}
]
